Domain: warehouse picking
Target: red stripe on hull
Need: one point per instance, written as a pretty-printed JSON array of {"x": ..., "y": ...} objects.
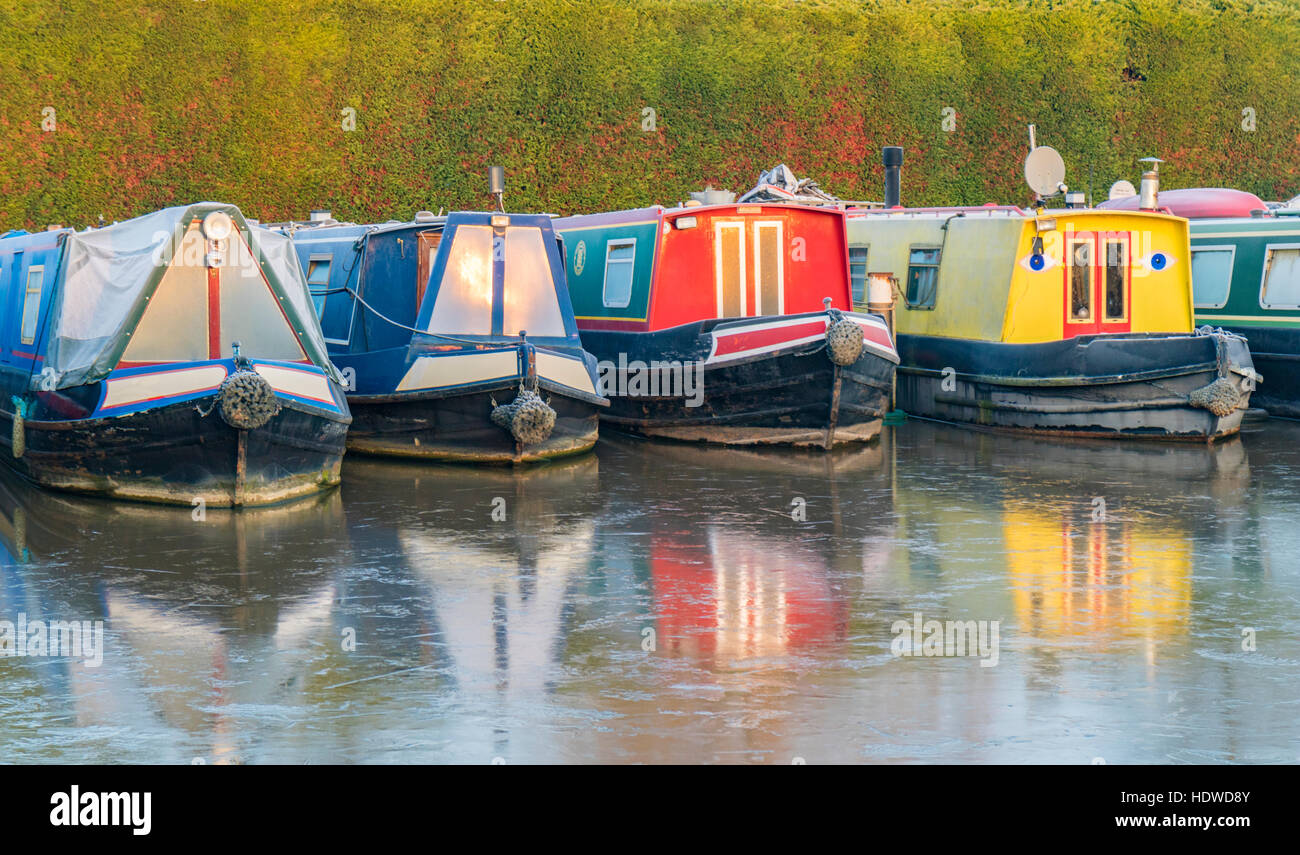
[
  {"x": 876, "y": 336},
  {"x": 729, "y": 343}
]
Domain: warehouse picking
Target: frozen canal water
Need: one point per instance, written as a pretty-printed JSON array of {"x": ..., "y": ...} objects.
[{"x": 674, "y": 603}]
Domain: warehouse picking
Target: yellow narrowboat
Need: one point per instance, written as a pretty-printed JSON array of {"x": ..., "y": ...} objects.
[{"x": 1076, "y": 321}]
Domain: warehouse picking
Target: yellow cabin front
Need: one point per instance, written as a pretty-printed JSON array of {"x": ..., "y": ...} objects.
[{"x": 1003, "y": 274}]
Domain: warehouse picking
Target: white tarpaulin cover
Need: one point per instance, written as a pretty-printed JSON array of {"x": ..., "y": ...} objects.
[{"x": 109, "y": 274}]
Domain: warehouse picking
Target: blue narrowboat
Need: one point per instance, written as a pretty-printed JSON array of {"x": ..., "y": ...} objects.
[
  {"x": 173, "y": 358},
  {"x": 455, "y": 336}
]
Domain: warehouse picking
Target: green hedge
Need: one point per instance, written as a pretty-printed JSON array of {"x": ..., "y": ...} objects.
[{"x": 162, "y": 103}]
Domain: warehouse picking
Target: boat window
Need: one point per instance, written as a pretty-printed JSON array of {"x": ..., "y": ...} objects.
[
  {"x": 858, "y": 274},
  {"x": 252, "y": 316},
  {"x": 769, "y": 274},
  {"x": 1211, "y": 276},
  {"x": 464, "y": 300},
  {"x": 1081, "y": 281},
  {"x": 530, "y": 300},
  {"x": 318, "y": 279},
  {"x": 1281, "y": 278},
  {"x": 32, "y": 302},
  {"x": 729, "y": 247},
  {"x": 620, "y": 259},
  {"x": 922, "y": 278},
  {"x": 1116, "y": 279}
]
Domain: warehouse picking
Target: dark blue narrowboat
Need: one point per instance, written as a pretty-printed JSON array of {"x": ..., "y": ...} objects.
[
  {"x": 455, "y": 336},
  {"x": 171, "y": 358}
]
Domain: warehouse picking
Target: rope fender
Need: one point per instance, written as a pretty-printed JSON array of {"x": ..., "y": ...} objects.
[
  {"x": 1222, "y": 396},
  {"x": 529, "y": 419},
  {"x": 843, "y": 339},
  {"x": 247, "y": 400},
  {"x": 19, "y": 435}
]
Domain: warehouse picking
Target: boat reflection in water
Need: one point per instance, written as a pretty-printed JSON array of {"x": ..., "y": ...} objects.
[
  {"x": 747, "y": 589},
  {"x": 492, "y": 562},
  {"x": 499, "y": 557},
  {"x": 727, "y": 597},
  {"x": 212, "y": 627},
  {"x": 764, "y": 576},
  {"x": 1096, "y": 547},
  {"x": 660, "y": 602},
  {"x": 1073, "y": 575},
  {"x": 1104, "y": 566}
]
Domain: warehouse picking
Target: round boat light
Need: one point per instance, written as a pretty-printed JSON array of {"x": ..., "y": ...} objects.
[{"x": 217, "y": 225}]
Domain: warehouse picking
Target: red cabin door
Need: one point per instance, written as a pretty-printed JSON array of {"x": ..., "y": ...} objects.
[{"x": 1098, "y": 283}]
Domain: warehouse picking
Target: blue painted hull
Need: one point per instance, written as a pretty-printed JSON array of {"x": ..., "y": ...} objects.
[
  {"x": 453, "y": 422},
  {"x": 177, "y": 455}
]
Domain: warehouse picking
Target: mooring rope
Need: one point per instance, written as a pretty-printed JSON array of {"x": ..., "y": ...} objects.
[{"x": 400, "y": 325}]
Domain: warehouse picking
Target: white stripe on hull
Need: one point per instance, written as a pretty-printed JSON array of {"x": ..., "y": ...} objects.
[
  {"x": 565, "y": 371},
  {"x": 460, "y": 369},
  {"x": 134, "y": 389},
  {"x": 303, "y": 384}
]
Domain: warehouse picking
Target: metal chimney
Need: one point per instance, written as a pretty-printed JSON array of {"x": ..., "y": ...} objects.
[
  {"x": 1149, "y": 194},
  {"x": 892, "y": 157},
  {"x": 497, "y": 184}
]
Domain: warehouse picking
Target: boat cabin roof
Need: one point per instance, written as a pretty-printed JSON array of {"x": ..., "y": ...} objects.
[
  {"x": 656, "y": 268},
  {"x": 469, "y": 273},
  {"x": 157, "y": 289},
  {"x": 1028, "y": 276},
  {"x": 991, "y": 209},
  {"x": 1198, "y": 203}
]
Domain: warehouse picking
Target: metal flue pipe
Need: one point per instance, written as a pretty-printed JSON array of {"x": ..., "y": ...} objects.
[{"x": 892, "y": 157}]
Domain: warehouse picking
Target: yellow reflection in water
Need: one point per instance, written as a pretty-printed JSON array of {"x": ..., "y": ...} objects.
[{"x": 1073, "y": 576}]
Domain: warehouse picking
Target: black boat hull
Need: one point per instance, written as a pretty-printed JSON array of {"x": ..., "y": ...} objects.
[
  {"x": 176, "y": 454},
  {"x": 457, "y": 426},
  {"x": 1114, "y": 386},
  {"x": 795, "y": 396}
]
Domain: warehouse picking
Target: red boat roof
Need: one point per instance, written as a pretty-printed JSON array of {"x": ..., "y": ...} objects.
[{"x": 1198, "y": 203}]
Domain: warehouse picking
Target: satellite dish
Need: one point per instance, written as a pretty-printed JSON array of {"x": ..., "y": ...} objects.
[
  {"x": 1044, "y": 170},
  {"x": 1122, "y": 189}
]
